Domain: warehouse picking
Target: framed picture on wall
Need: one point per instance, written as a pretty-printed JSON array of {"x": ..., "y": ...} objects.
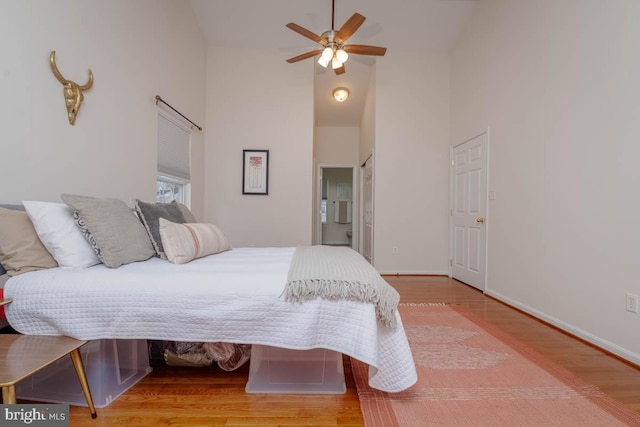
[{"x": 255, "y": 172}]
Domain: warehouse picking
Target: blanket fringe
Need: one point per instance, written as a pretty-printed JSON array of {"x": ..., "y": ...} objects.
[
  {"x": 423, "y": 304},
  {"x": 334, "y": 290}
]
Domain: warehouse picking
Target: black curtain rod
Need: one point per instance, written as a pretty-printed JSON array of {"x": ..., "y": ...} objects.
[{"x": 159, "y": 99}]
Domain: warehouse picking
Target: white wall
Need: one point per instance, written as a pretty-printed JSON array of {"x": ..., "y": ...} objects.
[
  {"x": 136, "y": 50},
  {"x": 336, "y": 144},
  {"x": 411, "y": 163},
  {"x": 255, "y": 100},
  {"x": 557, "y": 82},
  {"x": 368, "y": 121}
]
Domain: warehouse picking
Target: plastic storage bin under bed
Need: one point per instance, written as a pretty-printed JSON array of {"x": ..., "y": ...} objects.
[
  {"x": 279, "y": 370},
  {"x": 112, "y": 367}
]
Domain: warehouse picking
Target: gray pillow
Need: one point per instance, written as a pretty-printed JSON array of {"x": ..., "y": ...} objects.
[
  {"x": 188, "y": 216},
  {"x": 112, "y": 229},
  {"x": 150, "y": 214}
]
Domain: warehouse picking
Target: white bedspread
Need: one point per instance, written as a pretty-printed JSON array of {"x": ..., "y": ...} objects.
[{"x": 234, "y": 296}]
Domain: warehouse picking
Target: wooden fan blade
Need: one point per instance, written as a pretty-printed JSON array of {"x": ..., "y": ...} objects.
[
  {"x": 348, "y": 28},
  {"x": 361, "y": 49},
  {"x": 339, "y": 70},
  {"x": 308, "y": 34},
  {"x": 304, "y": 56}
]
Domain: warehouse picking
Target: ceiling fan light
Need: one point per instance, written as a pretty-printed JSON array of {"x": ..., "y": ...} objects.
[
  {"x": 324, "y": 61},
  {"x": 335, "y": 63},
  {"x": 342, "y": 55},
  {"x": 327, "y": 54},
  {"x": 340, "y": 94}
]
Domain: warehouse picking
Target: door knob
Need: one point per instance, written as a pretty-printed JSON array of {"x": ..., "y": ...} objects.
[{"x": 480, "y": 220}]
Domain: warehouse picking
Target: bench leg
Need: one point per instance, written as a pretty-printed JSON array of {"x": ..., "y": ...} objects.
[
  {"x": 78, "y": 365},
  {"x": 9, "y": 395}
]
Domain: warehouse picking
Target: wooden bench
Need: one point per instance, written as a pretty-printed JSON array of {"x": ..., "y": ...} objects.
[{"x": 23, "y": 355}]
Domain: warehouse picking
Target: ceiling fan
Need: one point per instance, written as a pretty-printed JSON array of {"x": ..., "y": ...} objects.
[{"x": 335, "y": 49}]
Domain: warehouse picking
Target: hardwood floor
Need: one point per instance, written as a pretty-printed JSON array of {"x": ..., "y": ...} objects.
[{"x": 211, "y": 397}]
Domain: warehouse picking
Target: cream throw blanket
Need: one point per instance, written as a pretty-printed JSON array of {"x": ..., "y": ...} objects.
[{"x": 339, "y": 273}]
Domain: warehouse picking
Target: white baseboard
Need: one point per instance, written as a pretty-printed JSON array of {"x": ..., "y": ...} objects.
[
  {"x": 414, "y": 273},
  {"x": 593, "y": 339},
  {"x": 336, "y": 243}
]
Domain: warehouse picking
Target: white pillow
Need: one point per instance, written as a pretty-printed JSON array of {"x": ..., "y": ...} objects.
[
  {"x": 61, "y": 236},
  {"x": 185, "y": 242}
]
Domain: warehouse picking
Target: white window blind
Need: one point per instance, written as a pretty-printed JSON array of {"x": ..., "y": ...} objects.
[{"x": 174, "y": 149}]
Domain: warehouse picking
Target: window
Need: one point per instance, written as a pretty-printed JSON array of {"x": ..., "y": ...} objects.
[
  {"x": 174, "y": 162},
  {"x": 169, "y": 189},
  {"x": 323, "y": 210}
]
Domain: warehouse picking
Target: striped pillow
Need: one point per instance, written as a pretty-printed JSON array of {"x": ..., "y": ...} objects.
[{"x": 185, "y": 242}]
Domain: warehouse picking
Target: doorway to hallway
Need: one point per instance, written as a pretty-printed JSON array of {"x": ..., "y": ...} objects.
[{"x": 338, "y": 208}]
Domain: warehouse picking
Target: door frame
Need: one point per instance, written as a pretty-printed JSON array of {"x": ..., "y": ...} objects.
[
  {"x": 355, "y": 196},
  {"x": 370, "y": 157},
  {"x": 486, "y": 132}
]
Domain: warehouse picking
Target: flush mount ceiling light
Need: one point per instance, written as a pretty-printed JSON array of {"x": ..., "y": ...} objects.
[{"x": 340, "y": 94}]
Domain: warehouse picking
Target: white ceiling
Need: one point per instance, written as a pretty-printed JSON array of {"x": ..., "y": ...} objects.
[{"x": 402, "y": 25}]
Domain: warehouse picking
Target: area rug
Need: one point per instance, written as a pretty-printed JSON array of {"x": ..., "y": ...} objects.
[{"x": 472, "y": 374}]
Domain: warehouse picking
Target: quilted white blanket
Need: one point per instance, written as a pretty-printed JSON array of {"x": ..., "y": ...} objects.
[{"x": 234, "y": 296}]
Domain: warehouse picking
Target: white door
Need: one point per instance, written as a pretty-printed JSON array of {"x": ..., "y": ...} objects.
[
  {"x": 469, "y": 211},
  {"x": 367, "y": 210}
]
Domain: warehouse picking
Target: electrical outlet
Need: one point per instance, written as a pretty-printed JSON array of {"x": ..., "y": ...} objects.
[
  {"x": 394, "y": 250},
  {"x": 631, "y": 303}
]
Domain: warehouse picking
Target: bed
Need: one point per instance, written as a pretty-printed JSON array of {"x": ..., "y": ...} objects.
[{"x": 236, "y": 295}]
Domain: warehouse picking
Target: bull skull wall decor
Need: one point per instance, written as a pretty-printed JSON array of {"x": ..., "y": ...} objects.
[{"x": 72, "y": 91}]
